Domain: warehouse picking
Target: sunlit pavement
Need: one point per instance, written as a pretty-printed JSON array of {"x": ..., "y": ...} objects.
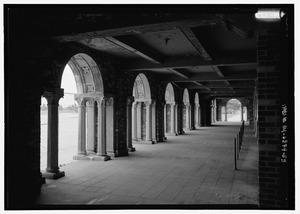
[{"x": 194, "y": 168}]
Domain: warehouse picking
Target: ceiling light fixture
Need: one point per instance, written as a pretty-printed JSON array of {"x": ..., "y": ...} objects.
[{"x": 269, "y": 13}]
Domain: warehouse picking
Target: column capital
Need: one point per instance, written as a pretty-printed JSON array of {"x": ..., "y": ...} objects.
[
  {"x": 187, "y": 104},
  {"x": 107, "y": 101},
  {"x": 148, "y": 103},
  {"x": 80, "y": 100},
  {"x": 129, "y": 101},
  {"x": 53, "y": 95},
  {"x": 90, "y": 102}
]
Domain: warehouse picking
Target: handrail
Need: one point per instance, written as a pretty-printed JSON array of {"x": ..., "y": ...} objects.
[{"x": 237, "y": 144}]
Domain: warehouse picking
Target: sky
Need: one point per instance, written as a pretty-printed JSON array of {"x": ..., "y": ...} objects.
[{"x": 69, "y": 85}]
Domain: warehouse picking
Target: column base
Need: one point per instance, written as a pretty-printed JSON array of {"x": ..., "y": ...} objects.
[
  {"x": 80, "y": 157},
  {"x": 171, "y": 134},
  {"x": 90, "y": 153},
  {"x": 165, "y": 138},
  {"x": 99, "y": 158},
  {"x": 132, "y": 149},
  {"x": 42, "y": 180},
  {"x": 53, "y": 175}
]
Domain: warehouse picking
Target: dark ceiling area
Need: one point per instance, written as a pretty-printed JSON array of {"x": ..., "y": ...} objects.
[{"x": 210, "y": 49}]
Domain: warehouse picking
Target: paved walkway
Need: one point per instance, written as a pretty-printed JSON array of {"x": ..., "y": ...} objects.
[{"x": 194, "y": 168}]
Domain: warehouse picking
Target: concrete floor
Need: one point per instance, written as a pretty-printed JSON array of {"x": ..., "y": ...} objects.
[{"x": 196, "y": 168}]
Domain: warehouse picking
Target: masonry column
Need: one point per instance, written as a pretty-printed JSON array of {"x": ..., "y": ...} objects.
[
  {"x": 225, "y": 113},
  {"x": 52, "y": 170},
  {"x": 90, "y": 107},
  {"x": 165, "y": 118},
  {"x": 81, "y": 151},
  {"x": 134, "y": 121},
  {"x": 187, "y": 116},
  {"x": 139, "y": 121},
  {"x": 196, "y": 115},
  {"x": 129, "y": 124},
  {"x": 101, "y": 131},
  {"x": 242, "y": 113},
  {"x": 276, "y": 147},
  {"x": 153, "y": 115},
  {"x": 148, "y": 122},
  {"x": 212, "y": 112},
  {"x": 176, "y": 119},
  {"x": 172, "y": 119}
]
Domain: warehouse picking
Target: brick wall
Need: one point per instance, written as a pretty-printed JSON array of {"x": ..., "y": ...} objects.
[{"x": 273, "y": 174}]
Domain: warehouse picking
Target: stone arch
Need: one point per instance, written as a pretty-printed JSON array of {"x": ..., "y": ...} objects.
[
  {"x": 90, "y": 90},
  {"x": 141, "y": 89},
  {"x": 169, "y": 93},
  {"x": 170, "y": 112},
  {"x": 143, "y": 111},
  {"x": 186, "y": 111},
  {"x": 186, "y": 96},
  {"x": 87, "y": 74}
]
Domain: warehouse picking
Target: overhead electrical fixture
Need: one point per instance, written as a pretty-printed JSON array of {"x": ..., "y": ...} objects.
[{"x": 269, "y": 14}]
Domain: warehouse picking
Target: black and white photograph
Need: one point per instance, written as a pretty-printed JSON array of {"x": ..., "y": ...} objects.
[{"x": 149, "y": 107}]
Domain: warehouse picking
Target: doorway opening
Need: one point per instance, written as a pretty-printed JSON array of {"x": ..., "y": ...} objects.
[{"x": 234, "y": 111}]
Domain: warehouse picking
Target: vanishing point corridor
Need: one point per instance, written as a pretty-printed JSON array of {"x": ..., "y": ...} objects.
[{"x": 194, "y": 168}]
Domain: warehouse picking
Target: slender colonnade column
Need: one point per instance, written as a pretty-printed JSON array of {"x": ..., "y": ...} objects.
[
  {"x": 196, "y": 115},
  {"x": 101, "y": 130},
  {"x": 90, "y": 126},
  {"x": 148, "y": 121},
  {"x": 52, "y": 170},
  {"x": 153, "y": 115},
  {"x": 188, "y": 115},
  {"x": 226, "y": 113},
  {"x": 139, "y": 121},
  {"x": 81, "y": 127},
  {"x": 165, "y": 118},
  {"x": 172, "y": 118},
  {"x": 129, "y": 124},
  {"x": 176, "y": 119},
  {"x": 134, "y": 121},
  {"x": 242, "y": 115}
]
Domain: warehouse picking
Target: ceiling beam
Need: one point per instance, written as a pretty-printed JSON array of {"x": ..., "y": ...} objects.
[
  {"x": 131, "y": 44},
  {"x": 135, "y": 46},
  {"x": 212, "y": 87},
  {"x": 204, "y": 78},
  {"x": 202, "y": 20},
  {"x": 186, "y": 62},
  {"x": 189, "y": 34},
  {"x": 183, "y": 74}
]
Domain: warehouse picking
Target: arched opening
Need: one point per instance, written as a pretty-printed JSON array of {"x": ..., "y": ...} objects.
[
  {"x": 186, "y": 111},
  {"x": 81, "y": 80},
  {"x": 197, "y": 111},
  {"x": 234, "y": 111},
  {"x": 68, "y": 118},
  {"x": 170, "y": 111},
  {"x": 143, "y": 111}
]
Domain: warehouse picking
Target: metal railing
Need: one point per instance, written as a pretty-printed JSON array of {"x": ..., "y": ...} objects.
[{"x": 237, "y": 144}]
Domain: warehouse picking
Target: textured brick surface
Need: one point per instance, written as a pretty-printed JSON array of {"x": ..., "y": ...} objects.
[{"x": 269, "y": 121}]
